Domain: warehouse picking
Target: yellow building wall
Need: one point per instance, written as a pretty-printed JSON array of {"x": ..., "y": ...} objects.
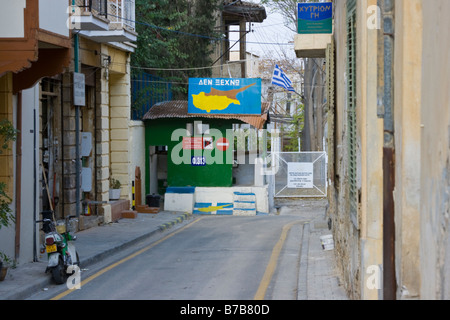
[
  {"x": 119, "y": 135},
  {"x": 119, "y": 60},
  {"x": 113, "y": 113},
  {"x": 370, "y": 129},
  {"x": 408, "y": 80},
  {"x": 6, "y": 112},
  {"x": 89, "y": 52},
  {"x": 435, "y": 151}
]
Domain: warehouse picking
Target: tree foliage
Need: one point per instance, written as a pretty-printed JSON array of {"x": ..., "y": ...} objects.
[
  {"x": 7, "y": 134},
  {"x": 6, "y": 216},
  {"x": 295, "y": 129},
  {"x": 168, "y": 39}
]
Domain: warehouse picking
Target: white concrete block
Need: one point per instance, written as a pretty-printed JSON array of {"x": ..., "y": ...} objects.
[
  {"x": 107, "y": 213},
  {"x": 210, "y": 194},
  {"x": 183, "y": 202}
]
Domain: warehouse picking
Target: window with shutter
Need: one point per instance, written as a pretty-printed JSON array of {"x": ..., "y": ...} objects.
[
  {"x": 351, "y": 110},
  {"x": 331, "y": 98}
]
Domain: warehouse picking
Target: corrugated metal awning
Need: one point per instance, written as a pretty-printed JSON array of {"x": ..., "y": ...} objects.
[
  {"x": 178, "y": 109},
  {"x": 251, "y": 12}
]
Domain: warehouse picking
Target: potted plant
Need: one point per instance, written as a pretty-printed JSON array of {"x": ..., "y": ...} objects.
[
  {"x": 5, "y": 263},
  {"x": 114, "y": 189},
  {"x": 6, "y": 219}
]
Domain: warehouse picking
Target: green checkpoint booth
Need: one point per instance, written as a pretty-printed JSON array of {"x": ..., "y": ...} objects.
[{"x": 190, "y": 160}]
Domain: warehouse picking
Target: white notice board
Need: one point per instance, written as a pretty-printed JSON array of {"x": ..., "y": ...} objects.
[
  {"x": 79, "y": 94},
  {"x": 300, "y": 175}
]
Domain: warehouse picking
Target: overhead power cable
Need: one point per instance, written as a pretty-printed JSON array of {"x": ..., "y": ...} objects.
[{"x": 193, "y": 34}]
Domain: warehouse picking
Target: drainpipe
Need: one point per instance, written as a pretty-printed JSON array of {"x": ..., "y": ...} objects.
[
  {"x": 77, "y": 129},
  {"x": 242, "y": 47},
  {"x": 95, "y": 142},
  {"x": 386, "y": 111},
  {"x": 61, "y": 90},
  {"x": 35, "y": 258}
]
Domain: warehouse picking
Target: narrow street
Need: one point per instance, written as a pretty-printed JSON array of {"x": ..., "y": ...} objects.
[
  {"x": 167, "y": 132},
  {"x": 209, "y": 258}
]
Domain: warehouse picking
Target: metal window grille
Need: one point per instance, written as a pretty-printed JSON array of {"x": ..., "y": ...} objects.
[
  {"x": 147, "y": 90},
  {"x": 94, "y": 6},
  {"x": 331, "y": 98},
  {"x": 122, "y": 13}
]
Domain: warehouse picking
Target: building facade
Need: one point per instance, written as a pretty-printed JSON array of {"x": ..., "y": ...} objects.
[
  {"x": 34, "y": 43},
  {"x": 389, "y": 151},
  {"x": 106, "y": 31},
  {"x": 66, "y": 152}
]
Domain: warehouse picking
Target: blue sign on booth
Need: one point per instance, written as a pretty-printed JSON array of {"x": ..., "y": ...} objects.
[{"x": 198, "y": 161}]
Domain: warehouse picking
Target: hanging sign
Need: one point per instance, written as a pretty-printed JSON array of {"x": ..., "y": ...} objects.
[
  {"x": 79, "y": 94},
  {"x": 315, "y": 17},
  {"x": 224, "y": 96}
]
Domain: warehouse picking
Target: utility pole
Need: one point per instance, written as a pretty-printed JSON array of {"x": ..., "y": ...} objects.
[{"x": 242, "y": 47}]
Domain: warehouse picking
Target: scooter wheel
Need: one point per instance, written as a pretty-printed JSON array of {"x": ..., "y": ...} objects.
[{"x": 59, "y": 273}]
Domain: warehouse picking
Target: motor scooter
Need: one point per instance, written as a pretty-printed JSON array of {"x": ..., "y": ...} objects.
[{"x": 61, "y": 252}]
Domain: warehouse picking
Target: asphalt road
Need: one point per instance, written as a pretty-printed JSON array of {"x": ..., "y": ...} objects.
[{"x": 209, "y": 258}]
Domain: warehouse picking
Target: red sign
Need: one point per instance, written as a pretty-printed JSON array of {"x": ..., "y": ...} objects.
[
  {"x": 223, "y": 144},
  {"x": 198, "y": 143},
  {"x": 192, "y": 143}
]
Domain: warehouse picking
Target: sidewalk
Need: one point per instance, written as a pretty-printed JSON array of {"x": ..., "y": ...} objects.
[
  {"x": 29, "y": 278},
  {"x": 318, "y": 277}
]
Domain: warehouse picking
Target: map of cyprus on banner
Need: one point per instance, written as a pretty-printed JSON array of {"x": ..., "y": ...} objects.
[{"x": 224, "y": 96}]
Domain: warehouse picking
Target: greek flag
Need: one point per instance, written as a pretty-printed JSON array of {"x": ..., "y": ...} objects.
[{"x": 280, "y": 79}]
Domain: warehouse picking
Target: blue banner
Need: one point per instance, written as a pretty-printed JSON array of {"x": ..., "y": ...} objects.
[{"x": 224, "y": 96}]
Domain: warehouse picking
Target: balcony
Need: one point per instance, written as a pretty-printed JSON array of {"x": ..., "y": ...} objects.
[
  {"x": 121, "y": 14},
  {"x": 107, "y": 21},
  {"x": 90, "y": 15}
]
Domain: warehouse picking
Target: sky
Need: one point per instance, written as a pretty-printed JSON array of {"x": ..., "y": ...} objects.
[{"x": 271, "y": 30}]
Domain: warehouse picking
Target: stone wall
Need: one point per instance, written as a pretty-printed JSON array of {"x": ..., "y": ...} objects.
[
  {"x": 358, "y": 236},
  {"x": 422, "y": 154}
]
